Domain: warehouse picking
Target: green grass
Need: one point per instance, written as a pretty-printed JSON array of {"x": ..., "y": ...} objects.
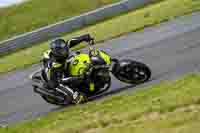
[
  {"x": 34, "y": 14},
  {"x": 132, "y": 21},
  {"x": 167, "y": 107}
]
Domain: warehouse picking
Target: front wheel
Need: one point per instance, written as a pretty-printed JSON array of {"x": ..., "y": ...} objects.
[{"x": 132, "y": 72}]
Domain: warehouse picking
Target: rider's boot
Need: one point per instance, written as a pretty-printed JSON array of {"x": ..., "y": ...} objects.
[
  {"x": 79, "y": 98},
  {"x": 76, "y": 97}
]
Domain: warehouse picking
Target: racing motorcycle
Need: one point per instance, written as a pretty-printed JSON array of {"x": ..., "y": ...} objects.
[{"x": 95, "y": 68}]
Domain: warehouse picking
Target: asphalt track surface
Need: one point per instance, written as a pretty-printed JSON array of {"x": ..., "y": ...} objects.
[{"x": 170, "y": 49}]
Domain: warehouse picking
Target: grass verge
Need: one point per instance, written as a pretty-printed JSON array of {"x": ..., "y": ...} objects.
[
  {"x": 132, "y": 21},
  {"x": 167, "y": 107},
  {"x": 34, "y": 14}
]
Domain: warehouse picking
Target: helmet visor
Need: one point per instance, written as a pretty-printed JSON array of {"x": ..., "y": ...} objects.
[
  {"x": 58, "y": 45},
  {"x": 59, "y": 48},
  {"x": 62, "y": 52}
]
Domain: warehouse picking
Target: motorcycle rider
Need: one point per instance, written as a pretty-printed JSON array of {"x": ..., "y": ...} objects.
[{"x": 54, "y": 62}]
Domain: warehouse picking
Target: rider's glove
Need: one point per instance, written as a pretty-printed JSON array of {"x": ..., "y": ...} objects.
[{"x": 88, "y": 38}]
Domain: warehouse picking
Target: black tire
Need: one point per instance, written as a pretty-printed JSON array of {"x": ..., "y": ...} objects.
[{"x": 131, "y": 72}]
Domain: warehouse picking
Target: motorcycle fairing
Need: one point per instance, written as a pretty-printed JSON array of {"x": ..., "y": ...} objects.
[{"x": 79, "y": 63}]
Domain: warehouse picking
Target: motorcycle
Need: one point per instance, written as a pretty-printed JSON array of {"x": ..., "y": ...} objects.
[{"x": 96, "y": 67}]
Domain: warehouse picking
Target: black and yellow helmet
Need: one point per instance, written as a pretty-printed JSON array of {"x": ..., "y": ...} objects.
[{"x": 59, "y": 48}]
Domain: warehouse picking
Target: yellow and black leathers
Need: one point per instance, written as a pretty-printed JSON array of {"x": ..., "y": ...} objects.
[{"x": 54, "y": 67}]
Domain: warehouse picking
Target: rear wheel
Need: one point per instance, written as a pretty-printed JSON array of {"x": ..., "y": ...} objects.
[{"x": 132, "y": 72}]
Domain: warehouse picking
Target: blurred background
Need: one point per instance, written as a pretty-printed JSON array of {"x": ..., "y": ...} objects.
[{"x": 4, "y": 3}]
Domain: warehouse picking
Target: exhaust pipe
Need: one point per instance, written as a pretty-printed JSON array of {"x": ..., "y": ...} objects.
[{"x": 44, "y": 92}]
